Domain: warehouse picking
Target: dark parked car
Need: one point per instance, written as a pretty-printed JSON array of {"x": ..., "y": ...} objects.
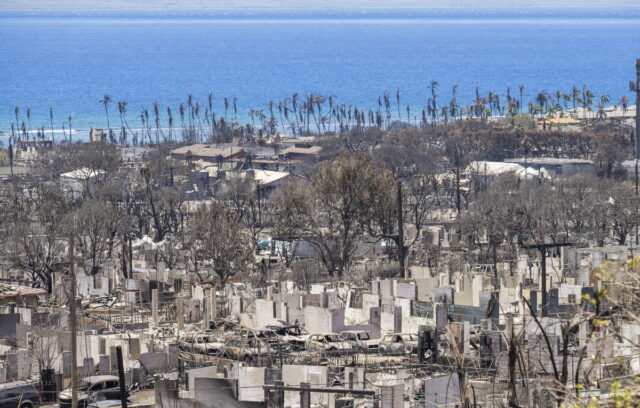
[
  {"x": 91, "y": 389},
  {"x": 19, "y": 394}
]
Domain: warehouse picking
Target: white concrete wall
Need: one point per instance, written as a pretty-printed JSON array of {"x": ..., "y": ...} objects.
[
  {"x": 405, "y": 290},
  {"x": 386, "y": 288},
  {"x": 317, "y": 288},
  {"x": 477, "y": 286},
  {"x": 317, "y": 319},
  {"x": 369, "y": 300},
  {"x": 265, "y": 312},
  {"x": 250, "y": 382},
  {"x": 565, "y": 290},
  {"x": 410, "y": 324},
  {"x": 386, "y": 323},
  {"x": 294, "y": 375},
  {"x": 405, "y": 305},
  {"x": 355, "y": 316},
  {"x": 425, "y": 288}
]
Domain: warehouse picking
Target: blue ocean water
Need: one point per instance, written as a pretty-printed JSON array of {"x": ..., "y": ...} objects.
[{"x": 68, "y": 60}]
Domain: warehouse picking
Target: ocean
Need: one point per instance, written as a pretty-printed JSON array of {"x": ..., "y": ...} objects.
[{"x": 67, "y": 60}]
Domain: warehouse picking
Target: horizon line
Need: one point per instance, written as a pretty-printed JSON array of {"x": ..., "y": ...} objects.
[{"x": 577, "y": 8}]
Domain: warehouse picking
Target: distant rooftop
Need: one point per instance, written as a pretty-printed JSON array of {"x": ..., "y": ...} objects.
[
  {"x": 547, "y": 160},
  {"x": 301, "y": 150},
  {"x": 82, "y": 173},
  {"x": 265, "y": 177},
  {"x": 205, "y": 150}
]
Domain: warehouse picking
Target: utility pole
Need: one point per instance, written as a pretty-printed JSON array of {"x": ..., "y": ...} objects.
[
  {"x": 130, "y": 257},
  {"x": 400, "y": 243},
  {"x": 635, "y": 87},
  {"x": 305, "y": 395},
  {"x": 123, "y": 386},
  {"x": 543, "y": 254},
  {"x": 72, "y": 312}
]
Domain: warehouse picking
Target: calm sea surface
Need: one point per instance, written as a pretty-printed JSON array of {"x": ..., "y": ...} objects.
[{"x": 68, "y": 60}]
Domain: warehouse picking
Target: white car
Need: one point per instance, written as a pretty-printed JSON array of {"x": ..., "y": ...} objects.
[
  {"x": 327, "y": 342},
  {"x": 361, "y": 339}
]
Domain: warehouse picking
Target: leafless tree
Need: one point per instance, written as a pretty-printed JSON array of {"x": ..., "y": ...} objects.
[
  {"x": 98, "y": 224},
  {"x": 331, "y": 212},
  {"x": 246, "y": 197},
  {"x": 36, "y": 242},
  {"x": 220, "y": 239},
  {"x": 163, "y": 192}
]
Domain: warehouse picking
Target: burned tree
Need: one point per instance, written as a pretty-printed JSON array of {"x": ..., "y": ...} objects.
[
  {"x": 221, "y": 240},
  {"x": 330, "y": 213}
]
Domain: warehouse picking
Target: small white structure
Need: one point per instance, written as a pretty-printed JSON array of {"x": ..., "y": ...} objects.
[
  {"x": 266, "y": 178},
  {"x": 553, "y": 166},
  {"x": 491, "y": 170},
  {"x": 80, "y": 181}
]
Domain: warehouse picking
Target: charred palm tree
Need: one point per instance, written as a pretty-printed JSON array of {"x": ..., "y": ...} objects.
[
  {"x": 124, "y": 119},
  {"x": 12, "y": 139},
  {"x": 294, "y": 106},
  {"x": 105, "y": 101},
  {"x": 272, "y": 118},
  {"x": 25, "y": 134},
  {"x": 286, "y": 115},
  {"x": 454, "y": 109},
  {"x": 148, "y": 123},
  {"x": 521, "y": 90},
  {"x": 53, "y": 137},
  {"x": 122, "y": 108},
  {"x": 16, "y": 112},
  {"x": 210, "y": 97},
  {"x": 387, "y": 108},
  {"x": 330, "y": 99},
  {"x": 235, "y": 109},
  {"x": 312, "y": 100},
  {"x": 142, "y": 126},
  {"x": 181, "y": 111},
  {"x": 433, "y": 86},
  {"x": 196, "y": 113},
  {"x": 624, "y": 104},
  {"x": 70, "y": 130},
  {"x": 190, "y": 106},
  {"x": 29, "y": 120},
  {"x": 170, "y": 119},
  {"x": 156, "y": 114},
  {"x": 281, "y": 106}
]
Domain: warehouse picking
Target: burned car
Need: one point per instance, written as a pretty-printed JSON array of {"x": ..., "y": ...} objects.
[
  {"x": 246, "y": 346},
  {"x": 276, "y": 342},
  {"x": 293, "y": 334},
  {"x": 91, "y": 389},
  {"x": 398, "y": 343},
  {"x": 327, "y": 342},
  {"x": 204, "y": 343},
  {"x": 361, "y": 340}
]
